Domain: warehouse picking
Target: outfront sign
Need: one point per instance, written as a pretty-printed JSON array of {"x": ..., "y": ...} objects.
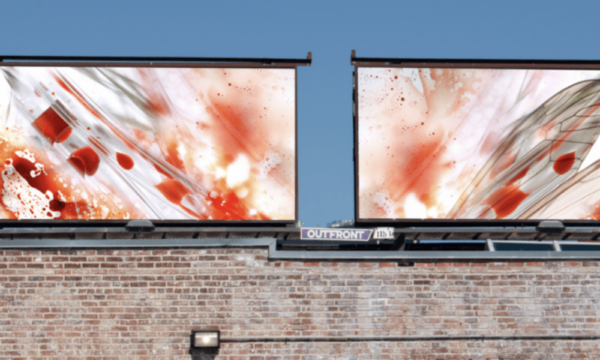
[
  {"x": 335, "y": 234},
  {"x": 382, "y": 233}
]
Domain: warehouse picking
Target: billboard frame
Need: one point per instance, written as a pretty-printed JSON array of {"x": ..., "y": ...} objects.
[
  {"x": 162, "y": 62},
  {"x": 527, "y": 64}
]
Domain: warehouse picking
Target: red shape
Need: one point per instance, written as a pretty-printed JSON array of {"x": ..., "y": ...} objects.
[
  {"x": 25, "y": 167},
  {"x": 85, "y": 160},
  {"x": 519, "y": 176},
  {"x": 52, "y": 126},
  {"x": 162, "y": 171},
  {"x": 77, "y": 164},
  {"x": 64, "y": 135},
  {"x": 172, "y": 156},
  {"x": 57, "y": 205},
  {"x": 173, "y": 190},
  {"x": 45, "y": 183},
  {"x": 125, "y": 161},
  {"x": 506, "y": 200},
  {"x": 227, "y": 206},
  {"x": 564, "y": 163}
]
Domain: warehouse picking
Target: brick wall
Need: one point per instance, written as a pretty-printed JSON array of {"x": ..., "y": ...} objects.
[{"x": 122, "y": 304}]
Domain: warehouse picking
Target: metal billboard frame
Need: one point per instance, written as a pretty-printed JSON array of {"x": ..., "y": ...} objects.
[
  {"x": 162, "y": 62},
  {"x": 368, "y": 62}
]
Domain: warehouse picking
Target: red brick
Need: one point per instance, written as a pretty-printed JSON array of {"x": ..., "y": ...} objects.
[{"x": 144, "y": 303}]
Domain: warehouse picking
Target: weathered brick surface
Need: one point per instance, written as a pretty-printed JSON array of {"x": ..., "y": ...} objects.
[
  {"x": 472, "y": 350},
  {"x": 120, "y": 304}
]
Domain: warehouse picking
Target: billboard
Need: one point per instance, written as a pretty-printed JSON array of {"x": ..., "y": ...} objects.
[
  {"x": 467, "y": 140},
  {"x": 194, "y": 142}
]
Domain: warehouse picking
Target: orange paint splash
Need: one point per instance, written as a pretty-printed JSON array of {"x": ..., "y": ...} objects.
[
  {"x": 46, "y": 181},
  {"x": 594, "y": 214},
  {"x": 419, "y": 172},
  {"x": 173, "y": 190},
  {"x": 172, "y": 155},
  {"x": 234, "y": 131},
  {"x": 228, "y": 207}
]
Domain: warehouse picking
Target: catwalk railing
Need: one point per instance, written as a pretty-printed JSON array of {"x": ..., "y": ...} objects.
[{"x": 409, "y": 244}]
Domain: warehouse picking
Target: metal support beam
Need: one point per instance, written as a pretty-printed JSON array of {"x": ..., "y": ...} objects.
[
  {"x": 155, "y": 59},
  {"x": 556, "y": 246},
  {"x": 426, "y": 256},
  {"x": 132, "y": 243},
  {"x": 305, "y": 255}
]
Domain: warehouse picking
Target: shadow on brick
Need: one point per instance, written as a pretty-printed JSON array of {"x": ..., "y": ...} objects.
[{"x": 204, "y": 354}]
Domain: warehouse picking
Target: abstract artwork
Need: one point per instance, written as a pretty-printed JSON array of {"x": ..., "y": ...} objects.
[
  {"x": 163, "y": 143},
  {"x": 452, "y": 143}
]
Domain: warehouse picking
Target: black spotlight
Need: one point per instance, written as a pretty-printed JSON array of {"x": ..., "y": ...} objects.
[{"x": 205, "y": 339}]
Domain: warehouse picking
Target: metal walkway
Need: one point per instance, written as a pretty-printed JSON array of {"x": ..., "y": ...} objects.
[{"x": 413, "y": 244}]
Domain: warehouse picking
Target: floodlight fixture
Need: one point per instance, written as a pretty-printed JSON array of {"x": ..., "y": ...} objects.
[{"x": 205, "y": 339}]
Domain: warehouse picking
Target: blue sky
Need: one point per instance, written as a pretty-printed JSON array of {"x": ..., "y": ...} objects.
[{"x": 330, "y": 29}]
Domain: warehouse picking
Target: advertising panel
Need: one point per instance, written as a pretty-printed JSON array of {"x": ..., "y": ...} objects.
[
  {"x": 141, "y": 141},
  {"x": 478, "y": 141}
]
